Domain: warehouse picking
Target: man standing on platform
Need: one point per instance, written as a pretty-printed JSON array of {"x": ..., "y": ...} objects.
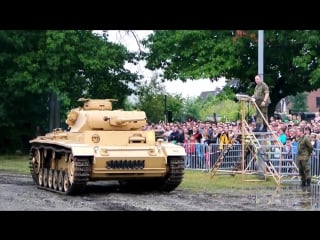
[{"x": 262, "y": 98}]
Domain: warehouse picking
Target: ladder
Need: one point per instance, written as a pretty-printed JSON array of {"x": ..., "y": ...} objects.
[
  {"x": 266, "y": 146},
  {"x": 220, "y": 159}
]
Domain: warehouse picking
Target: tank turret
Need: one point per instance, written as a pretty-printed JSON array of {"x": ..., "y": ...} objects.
[{"x": 97, "y": 114}]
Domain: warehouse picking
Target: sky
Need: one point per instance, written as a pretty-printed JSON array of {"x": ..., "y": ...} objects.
[{"x": 187, "y": 89}]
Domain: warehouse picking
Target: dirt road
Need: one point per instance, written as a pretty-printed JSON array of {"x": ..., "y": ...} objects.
[{"x": 18, "y": 192}]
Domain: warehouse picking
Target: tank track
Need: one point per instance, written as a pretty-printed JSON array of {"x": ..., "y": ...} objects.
[
  {"x": 31, "y": 166},
  {"x": 81, "y": 173},
  {"x": 175, "y": 174}
]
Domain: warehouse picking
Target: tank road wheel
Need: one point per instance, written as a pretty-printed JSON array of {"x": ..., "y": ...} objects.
[
  {"x": 36, "y": 161},
  {"x": 55, "y": 179},
  {"x": 66, "y": 183},
  {"x": 50, "y": 178},
  {"x": 71, "y": 169},
  {"x": 40, "y": 177},
  {"x": 60, "y": 181},
  {"x": 34, "y": 164},
  {"x": 45, "y": 177}
]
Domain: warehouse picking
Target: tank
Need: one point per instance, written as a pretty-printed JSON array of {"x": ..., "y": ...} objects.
[{"x": 105, "y": 144}]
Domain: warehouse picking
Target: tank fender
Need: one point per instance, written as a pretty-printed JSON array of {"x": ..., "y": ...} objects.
[
  {"x": 82, "y": 150},
  {"x": 174, "y": 150}
]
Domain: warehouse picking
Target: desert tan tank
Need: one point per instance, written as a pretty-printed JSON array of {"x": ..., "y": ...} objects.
[{"x": 104, "y": 144}]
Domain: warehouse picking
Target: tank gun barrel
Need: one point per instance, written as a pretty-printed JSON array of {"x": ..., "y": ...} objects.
[
  {"x": 119, "y": 121},
  {"x": 89, "y": 99}
]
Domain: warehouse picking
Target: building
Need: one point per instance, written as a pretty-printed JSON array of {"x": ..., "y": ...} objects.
[{"x": 313, "y": 103}]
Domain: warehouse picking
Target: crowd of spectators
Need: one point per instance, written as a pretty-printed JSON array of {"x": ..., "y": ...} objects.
[{"x": 225, "y": 132}]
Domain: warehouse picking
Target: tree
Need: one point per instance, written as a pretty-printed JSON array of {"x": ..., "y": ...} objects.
[
  {"x": 192, "y": 108},
  {"x": 69, "y": 63},
  {"x": 299, "y": 103},
  {"x": 152, "y": 100},
  {"x": 223, "y": 104},
  {"x": 290, "y": 58}
]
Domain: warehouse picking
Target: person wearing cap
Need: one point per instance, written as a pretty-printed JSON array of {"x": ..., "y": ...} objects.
[{"x": 262, "y": 99}]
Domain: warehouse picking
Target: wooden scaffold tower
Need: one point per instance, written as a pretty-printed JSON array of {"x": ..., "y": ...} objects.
[{"x": 265, "y": 147}]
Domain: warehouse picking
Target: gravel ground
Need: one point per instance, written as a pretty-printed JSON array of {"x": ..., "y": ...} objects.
[{"x": 19, "y": 193}]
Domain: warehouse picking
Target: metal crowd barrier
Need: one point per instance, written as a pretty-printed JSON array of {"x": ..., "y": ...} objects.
[{"x": 202, "y": 156}]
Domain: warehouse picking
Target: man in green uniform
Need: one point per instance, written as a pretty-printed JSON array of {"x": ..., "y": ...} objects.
[
  {"x": 262, "y": 98},
  {"x": 305, "y": 149}
]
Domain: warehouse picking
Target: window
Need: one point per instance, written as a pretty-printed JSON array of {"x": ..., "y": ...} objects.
[{"x": 318, "y": 101}]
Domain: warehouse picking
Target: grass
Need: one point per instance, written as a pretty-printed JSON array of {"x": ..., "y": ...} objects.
[
  {"x": 199, "y": 181},
  {"x": 193, "y": 180},
  {"x": 15, "y": 163}
]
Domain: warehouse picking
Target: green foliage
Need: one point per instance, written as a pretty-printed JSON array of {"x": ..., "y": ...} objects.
[
  {"x": 152, "y": 100},
  {"x": 299, "y": 103},
  {"x": 223, "y": 105},
  {"x": 190, "y": 54},
  {"x": 192, "y": 108},
  {"x": 290, "y": 58},
  {"x": 175, "y": 104},
  {"x": 228, "y": 110},
  {"x": 128, "y": 105},
  {"x": 68, "y": 63}
]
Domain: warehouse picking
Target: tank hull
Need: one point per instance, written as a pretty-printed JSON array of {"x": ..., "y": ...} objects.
[{"x": 65, "y": 161}]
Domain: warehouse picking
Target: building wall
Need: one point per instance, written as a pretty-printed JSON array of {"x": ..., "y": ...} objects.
[{"x": 312, "y": 101}]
